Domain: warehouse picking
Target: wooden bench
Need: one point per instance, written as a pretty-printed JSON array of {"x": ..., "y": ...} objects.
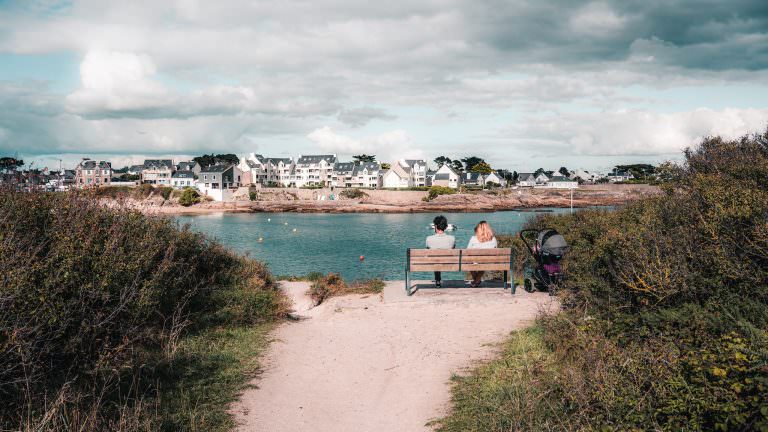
[{"x": 458, "y": 260}]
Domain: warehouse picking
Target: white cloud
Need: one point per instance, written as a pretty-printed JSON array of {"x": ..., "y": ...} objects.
[
  {"x": 596, "y": 19},
  {"x": 637, "y": 132},
  {"x": 387, "y": 146}
]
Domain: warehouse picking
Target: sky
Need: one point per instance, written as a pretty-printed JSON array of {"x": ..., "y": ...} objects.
[{"x": 521, "y": 83}]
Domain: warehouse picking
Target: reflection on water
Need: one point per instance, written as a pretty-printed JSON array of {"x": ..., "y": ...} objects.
[{"x": 296, "y": 244}]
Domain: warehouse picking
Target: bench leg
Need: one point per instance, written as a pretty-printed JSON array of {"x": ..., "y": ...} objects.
[
  {"x": 407, "y": 284},
  {"x": 506, "y": 279}
]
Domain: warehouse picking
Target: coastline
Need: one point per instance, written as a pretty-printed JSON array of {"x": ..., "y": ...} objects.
[{"x": 387, "y": 201}]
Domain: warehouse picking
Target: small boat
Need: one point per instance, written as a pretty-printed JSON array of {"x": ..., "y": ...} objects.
[{"x": 451, "y": 227}]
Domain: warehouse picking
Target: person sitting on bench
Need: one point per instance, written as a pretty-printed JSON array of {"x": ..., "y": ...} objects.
[
  {"x": 440, "y": 240},
  {"x": 483, "y": 239}
]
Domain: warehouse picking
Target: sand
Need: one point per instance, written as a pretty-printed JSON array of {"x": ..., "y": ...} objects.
[{"x": 378, "y": 362}]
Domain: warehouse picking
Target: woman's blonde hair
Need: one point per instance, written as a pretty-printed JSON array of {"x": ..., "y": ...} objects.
[{"x": 483, "y": 232}]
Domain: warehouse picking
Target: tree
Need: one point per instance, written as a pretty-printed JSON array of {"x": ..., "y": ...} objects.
[
  {"x": 515, "y": 177},
  {"x": 442, "y": 160},
  {"x": 9, "y": 163},
  {"x": 564, "y": 171},
  {"x": 386, "y": 166},
  {"x": 482, "y": 168},
  {"x": 471, "y": 161},
  {"x": 457, "y": 166},
  {"x": 211, "y": 159},
  {"x": 538, "y": 171},
  {"x": 364, "y": 158}
]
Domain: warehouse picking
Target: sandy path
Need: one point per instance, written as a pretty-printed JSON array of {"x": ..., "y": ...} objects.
[{"x": 378, "y": 363}]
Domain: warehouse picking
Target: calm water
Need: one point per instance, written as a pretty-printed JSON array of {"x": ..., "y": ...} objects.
[{"x": 334, "y": 242}]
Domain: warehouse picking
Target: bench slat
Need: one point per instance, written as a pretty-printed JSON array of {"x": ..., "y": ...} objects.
[
  {"x": 434, "y": 267},
  {"x": 482, "y": 252},
  {"x": 434, "y": 252},
  {"x": 453, "y": 259},
  {"x": 485, "y": 259},
  {"x": 486, "y": 267}
]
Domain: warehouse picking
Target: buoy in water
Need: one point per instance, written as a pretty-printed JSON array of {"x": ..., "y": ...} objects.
[
  {"x": 294, "y": 230},
  {"x": 261, "y": 239},
  {"x": 362, "y": 258},
  {"x": 285, "y": 223},
  {"x": 269, "y": 219}
]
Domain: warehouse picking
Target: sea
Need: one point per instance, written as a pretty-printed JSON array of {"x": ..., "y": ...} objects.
[{"x": 355, "y": 245}]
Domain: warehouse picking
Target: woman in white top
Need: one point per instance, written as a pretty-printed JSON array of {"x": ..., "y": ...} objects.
[{"x": 483, "y": 239}]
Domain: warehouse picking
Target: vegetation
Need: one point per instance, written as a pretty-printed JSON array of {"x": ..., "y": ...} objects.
[
  {"x": 253, "y": 196},
  {"x": 212, "y": 159},
  {"x": 481, "y": 167},
  {"x": 665, "y": 318},
  {"x": 364, "y": 158},
  {"x": 353, "y": 194},
  {"x": 10, "y": 164},
  {"x": 189, "y": 197},
  {"x": 112, "y": 320},
  {"x": 333, "y": 285},
  {"x": 436, "y": 191}
]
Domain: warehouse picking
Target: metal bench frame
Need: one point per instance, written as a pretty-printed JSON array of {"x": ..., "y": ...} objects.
[{"x": 493, "y": 264}]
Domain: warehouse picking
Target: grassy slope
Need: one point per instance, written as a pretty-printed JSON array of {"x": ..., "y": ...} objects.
[{"x": 666, "y": 324}]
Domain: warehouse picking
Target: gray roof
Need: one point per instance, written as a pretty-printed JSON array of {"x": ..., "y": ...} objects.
[
  {"x": 186, "y": 166},
  {"x": 411, "y": 162},
  {"x": 158, "y": 163},
  {"x": 431, "y": 172},
  {"x": 216, "y": 168},
  {"x": 344, "y": 166},
  {"x": 442, "y": 176},
  {"x": 471, "y": 176},
  {"x": 251, "y": 164},
  {"x": 560, "y": 179},
  {"x": 525, "y": 176},
  {"x": 183, "y": 174},
  {"x": 275, "y": 161},
  {"x": 370, "y": 166},
  {"x": 92, "y": 164},
  {"x": 313, "y": 159}
]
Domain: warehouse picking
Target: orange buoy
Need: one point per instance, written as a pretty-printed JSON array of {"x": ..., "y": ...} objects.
[{"x": 362, "y": 258}]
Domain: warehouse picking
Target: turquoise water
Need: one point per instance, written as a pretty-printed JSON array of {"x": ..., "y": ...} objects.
[{"x": 334, "y": 242}]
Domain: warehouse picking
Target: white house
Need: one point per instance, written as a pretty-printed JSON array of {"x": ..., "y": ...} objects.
[
  {"x": 418, "y": 170},
  {"x": 189, "y": 166},
  {"x": 585, "y": 176},
  {"x": 526, "y": 180},
  {"x": 619, "y": 176},
  {"x": 472, "y": 179},
  {"x": 397, "y": 176},
  {"x": 494, "y": 178},
  {"x": 446, "y": 176},
  {"x": 157, "y": 171},
  {"x": 182, "y": 179},
  {"x": 342, "y": 174},
  {"x": 314, "y": 170},
  {"x": 561, "y": 182},
  {"x": 219, "y": 181}
]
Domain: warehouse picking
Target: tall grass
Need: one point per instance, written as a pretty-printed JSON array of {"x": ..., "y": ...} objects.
[
  {"x": 97, "y": 306},
  {"x": 666, "y": 318}
]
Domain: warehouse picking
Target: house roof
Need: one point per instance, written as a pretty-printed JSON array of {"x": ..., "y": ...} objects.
[
  {"x": 412, "y": 162},
  {"x": 183, "y": 174},
  {"x": 449, "y": 168},
  {"x": 92, "y": 164},
  {"x": 216, "y": 168},
  {"x": 186, "y": 166},
  {"x": 559, "y": 179},
  {"x": 471, "y": 176},
  {"x": 276, "y": 161},
  {"x": 158, "y": 163},
  {"x": 442, "y": 176},
  {"x": 313, "y": 159},
  {"x": 370, "y": 166},
  {"x": 251, "y": 164},
  {"x": 344, "y": 166}
]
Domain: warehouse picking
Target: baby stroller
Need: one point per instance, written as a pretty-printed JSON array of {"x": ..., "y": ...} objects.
[{"x": 548, "y": 249}]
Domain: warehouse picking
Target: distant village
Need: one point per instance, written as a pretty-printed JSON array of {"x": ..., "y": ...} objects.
[{"x": 220, "y": 176}]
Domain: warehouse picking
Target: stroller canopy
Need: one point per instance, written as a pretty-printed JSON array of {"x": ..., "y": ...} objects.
[{"x": 551, "y": 243}]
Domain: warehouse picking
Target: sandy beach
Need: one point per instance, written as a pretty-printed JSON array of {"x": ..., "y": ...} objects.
[{"x": 378, "y": 362}]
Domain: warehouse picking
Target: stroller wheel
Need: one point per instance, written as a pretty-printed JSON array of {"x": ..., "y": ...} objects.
[{"x": 528, "y": 285}]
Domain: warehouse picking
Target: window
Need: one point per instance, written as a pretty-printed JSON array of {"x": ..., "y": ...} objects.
[{"x": 205, "y": 177}]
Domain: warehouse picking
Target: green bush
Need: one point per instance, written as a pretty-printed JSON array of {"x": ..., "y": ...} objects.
[
  {"x": 665, "y": 320},
  {"x": 189, "y": 197},
  {"x": 436, "y": 191},
  {"x": 353, "y": 193},
  {"x": 253, "y": 196},
  {"x": 93, "y": 302}
]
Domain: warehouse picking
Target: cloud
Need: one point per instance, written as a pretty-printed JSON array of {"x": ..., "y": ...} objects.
[
  {"x": 357, "y": 117},
  {"x": 636, "y": 132},
  {"x": 387, "y": 146}
]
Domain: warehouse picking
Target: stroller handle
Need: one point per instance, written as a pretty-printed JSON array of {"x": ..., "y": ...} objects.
[{"x": 527, "y": 245}]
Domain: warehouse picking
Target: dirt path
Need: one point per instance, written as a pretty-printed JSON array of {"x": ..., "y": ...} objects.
[{"x": 378, "y": 363}]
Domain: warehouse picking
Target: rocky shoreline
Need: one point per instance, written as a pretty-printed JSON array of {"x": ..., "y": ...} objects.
[{"x": 380, "y": 201}]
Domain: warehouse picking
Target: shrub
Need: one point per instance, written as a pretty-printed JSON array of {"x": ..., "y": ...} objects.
[
  {"x": 93, "y": 301},
  {"x": 189, "y": 197},
  {"x": 253, "y": 196},
  {"x": 164, "y": 191},
  {"x": 332, "y": 285},
  {"x": 665, "y": 320},
  {"x": 436, "y": 191},
  {"x": 353, "y": 194}
]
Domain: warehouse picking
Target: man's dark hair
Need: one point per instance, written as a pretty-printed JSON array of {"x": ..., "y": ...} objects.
[{"x": 441, "y": 223}]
